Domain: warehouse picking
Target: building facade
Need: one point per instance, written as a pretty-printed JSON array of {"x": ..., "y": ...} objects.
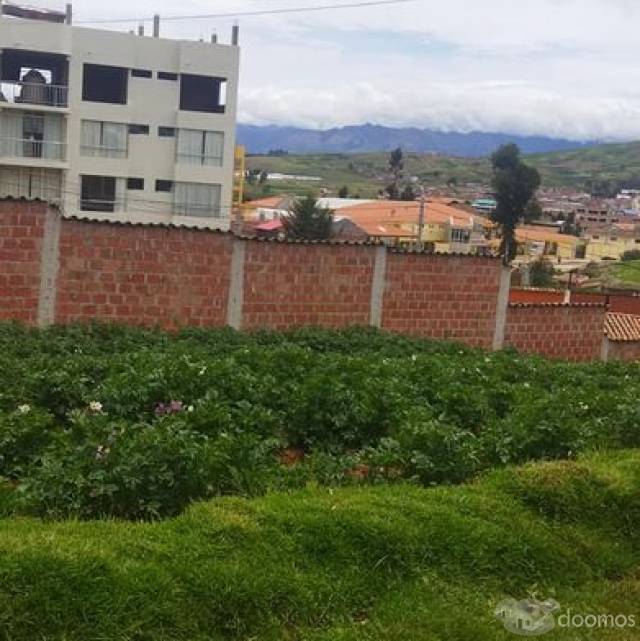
[{"x": 116, "y": 125}]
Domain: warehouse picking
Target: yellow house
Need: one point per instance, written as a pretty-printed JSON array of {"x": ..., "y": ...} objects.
[
  {"x": 612, "y": 242},
  {"x": 538, "y": 241}
]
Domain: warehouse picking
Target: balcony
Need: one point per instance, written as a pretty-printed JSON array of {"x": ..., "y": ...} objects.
[
  {"x": 30, "y": 148},
  {"x": 33, "y": 93},
  {"x": 100, "y": 205}
]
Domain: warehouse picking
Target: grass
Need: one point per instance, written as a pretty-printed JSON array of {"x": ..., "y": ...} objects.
[
  {"x": 627, "y": 272},
  {"x": 365, "y": 174},
  {"x": 380, "y": 563}
]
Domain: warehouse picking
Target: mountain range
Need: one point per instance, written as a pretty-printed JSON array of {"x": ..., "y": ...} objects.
[{"x": 369, "y": 138}]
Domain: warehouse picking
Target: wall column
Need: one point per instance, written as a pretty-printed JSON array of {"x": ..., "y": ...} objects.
[
  {"x": 49, "y": 265},
  {"x": 501, "y": 308},
  {"x": 377, "y": 286},
  {"x": 236, "y": 285},
  {"x": 604, "y": 351}
]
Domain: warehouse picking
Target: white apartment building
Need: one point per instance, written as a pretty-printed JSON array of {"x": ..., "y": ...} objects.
[{"x": 116, "y": 125}]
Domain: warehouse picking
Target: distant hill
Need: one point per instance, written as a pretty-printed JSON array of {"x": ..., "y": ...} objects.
[
  {"x": 366, "y": 173},
  {"x": 371, "y": 138}
]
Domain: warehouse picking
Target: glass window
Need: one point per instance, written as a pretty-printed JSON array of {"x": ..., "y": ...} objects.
[
  {"x": 197, "y": 199},
  {"x": 198, "y": 147},
  {"x": 104, "y": 139}
]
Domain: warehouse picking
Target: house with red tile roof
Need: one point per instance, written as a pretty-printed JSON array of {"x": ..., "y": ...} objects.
[{"x": 622, "y": 337}]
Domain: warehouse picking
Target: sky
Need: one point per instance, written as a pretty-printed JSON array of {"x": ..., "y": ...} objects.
[{"x": 560, "y": 68}]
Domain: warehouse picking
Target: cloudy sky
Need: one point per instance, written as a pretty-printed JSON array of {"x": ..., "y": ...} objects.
[{"x": 556, "y": 67}]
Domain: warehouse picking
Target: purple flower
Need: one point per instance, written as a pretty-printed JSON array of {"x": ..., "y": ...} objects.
[{"x": 173, "y": 407}]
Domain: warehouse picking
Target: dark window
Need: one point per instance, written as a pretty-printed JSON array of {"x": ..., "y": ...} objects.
[
  {"x": 164, "y": 185},
  {"x": 202, "y": 93},
  {"x": 139, "y": 129},
  {"x": 135, "y": 183},
  {"x": 166, "y": 75},
  {"x": 98, "y": 193},
  {"x": 33, "y": 135},
  {"x": 104, "y": 84},
  {"x": 167, "y": 132},
  {"x": 141, "y": 73}
]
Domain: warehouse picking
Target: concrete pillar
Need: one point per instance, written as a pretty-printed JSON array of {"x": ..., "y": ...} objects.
[
  {"x": 141, "y": 30},
  {"x": 156, "y": 26},
  {"x": 501, "y": 308},
  {"x": 604, "y": 351},
  {"x": 567, "y": 296},
  {"x": 214, "y": 38},
  {"x": 236, "y": 285},
  {"x": 69, "y": 14},
  {"x": 49, "y": 264},
  {"x": 235, "y": 35},
  {"x": 377, "y": 286}
]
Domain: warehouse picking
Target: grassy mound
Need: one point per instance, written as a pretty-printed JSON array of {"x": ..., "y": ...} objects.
[{"x": 378, "y": 563}]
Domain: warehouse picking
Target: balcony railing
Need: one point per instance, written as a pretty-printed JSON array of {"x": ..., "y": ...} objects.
[
  {"x": 29, "y": 148},
  {"x": 34, "y": 93},
  {"x": 197, "y": 211},
  {"x": 198, "y": 159},
  {"x": 103, "y": 205},
  {"x": 103, "y": 151}
]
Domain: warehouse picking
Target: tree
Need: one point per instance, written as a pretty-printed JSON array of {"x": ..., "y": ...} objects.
[
  {"x": 308, "y": 220},
  {"x": 541, "y": 273},
  {"x": 514, "y": 185},
  {"x": 396, "y": 166},
  {"x": 408, "y": 193},
  {"x": 571, "y": 226},
  {"x": 343, "y": 192}
]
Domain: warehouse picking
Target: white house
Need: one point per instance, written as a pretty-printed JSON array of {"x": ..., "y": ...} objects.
[{"x": 116, "y": 125}]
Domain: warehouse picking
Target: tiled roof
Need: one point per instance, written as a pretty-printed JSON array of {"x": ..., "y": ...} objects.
[
  {"x": 391, "y": 213},
  {"x": 522, "y": 305},
  {"x": 622, "y": 327},
  {"x": 270, "y": 202},
  {"x": 536, "y": 234}
]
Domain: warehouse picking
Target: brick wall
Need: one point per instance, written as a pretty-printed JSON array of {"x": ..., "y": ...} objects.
[
  {"x": 174, "y": 277},
  {"x": 571, "y": 332},
  {"x": 622, "y": 303},
  {"x": 21, "y": 233},
  {"x": 142, "y": 275},
  {"x": 306, "y": 284},
  {"x": 623, "y": 350},
  {"x": 450, "y": 297}
]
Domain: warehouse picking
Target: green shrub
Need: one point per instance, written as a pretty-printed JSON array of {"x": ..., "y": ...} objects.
[
  {"x": 100, "y": 467},
  {"x": 631, "y": 254},
  {"x": 207, "y": 412},
  {"x": 24, "y": 433},
  {"x": 436, "y": 452}
]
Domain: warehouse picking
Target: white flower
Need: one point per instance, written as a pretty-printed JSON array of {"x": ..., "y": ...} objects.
[
  {"x": 414, "y": 357},
  {"x": 202, "y": 371},
  {"x": 95, "y": 407},
  {"x": 527, "y": 385},
  {"x": 102, "y": 452},
  {"x": 24, "y": 409},
  {"x": 190, "y": 408}
]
